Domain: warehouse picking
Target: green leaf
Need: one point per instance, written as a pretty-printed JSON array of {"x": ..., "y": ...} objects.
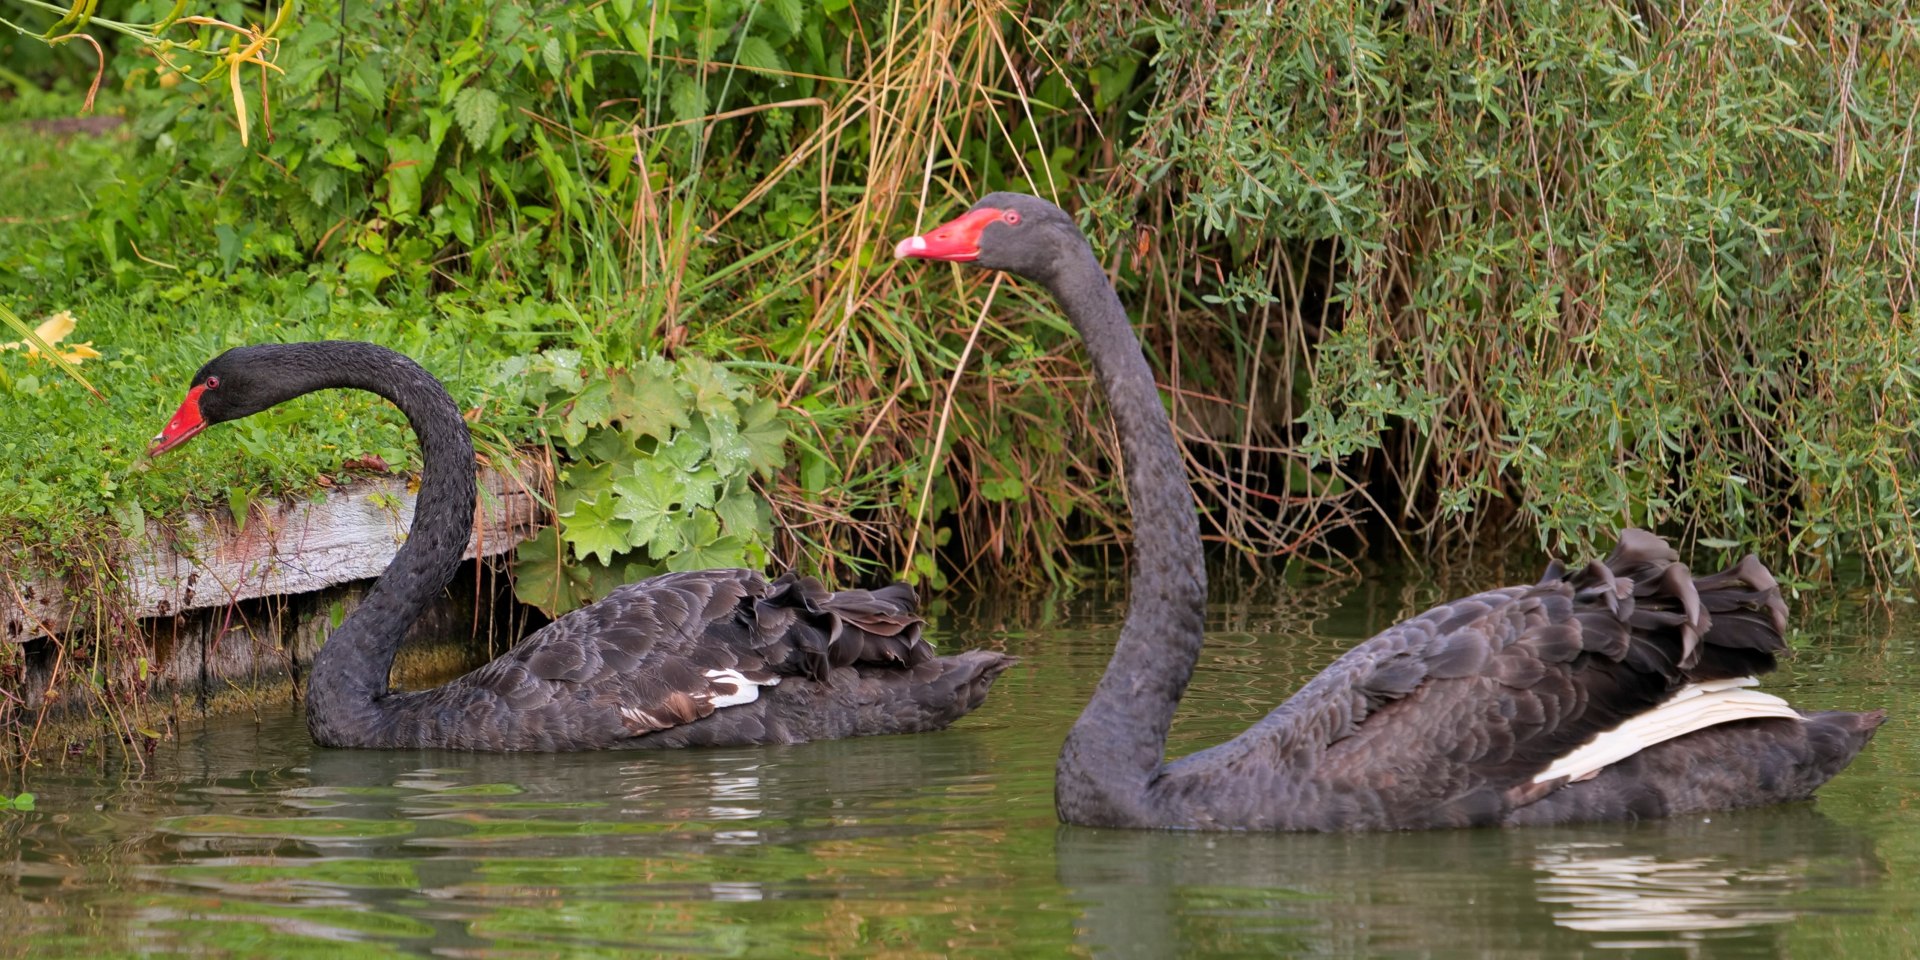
[
  {"x": 740, "y": 514},
  {"x": 813, "y": 472},
  {"x": 636, "y": 33},
  {"x": 687, "y": 451},
  {"x": 647, "y": 500},
  {"x": 240, "y": 503},
  {"x": 706, "y": 548},
  {"x": 322, "y": 184},
  {"x": 607, "y": 445},
  {"x": 231, "y": 243},
  {"x": 581, "y": 480},
  {"x": 467, "y": 187},
  {"x": 699, "y": 487},
  {"x": 554, "y": 60},
  {"x": 765, "y": 436},
  {"x": 1004, "y": 489},
  {"x": 342, "y": 155},
  {"x": 792, "y": 13},
  {"x": 593, "y": 530},
  {"x": 477, "y": 110},
  {"x": 648, "y": 403},
  {"x": 1717, "y": 544},
  {"x": 409, "y": 161},
  {"x": 594, "y": 406},
  {"x": 689, "y": 99},
  {"x": 542, "y": 577},
  {"x": 713, "y": 389},
  {"x": 708, "y": 39},
  {"x": 758, "y": 54},
  {"x": 729, "y": 452}
]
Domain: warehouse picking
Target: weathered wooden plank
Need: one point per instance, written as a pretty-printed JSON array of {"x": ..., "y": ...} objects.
[{"x": 350, "y": 534}]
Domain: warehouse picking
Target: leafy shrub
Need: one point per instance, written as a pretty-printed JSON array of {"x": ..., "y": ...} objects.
[
  {"x": 1451, "y": 268},
  {"x": 659, "y": 461}
]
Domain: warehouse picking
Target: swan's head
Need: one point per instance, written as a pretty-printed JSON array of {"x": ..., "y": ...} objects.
[
  {"x": 1004, "y": 231},
  {"x": 238, "y": 383}
]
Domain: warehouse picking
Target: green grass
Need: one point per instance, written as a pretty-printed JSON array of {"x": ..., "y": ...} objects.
[
  {"x": 74, "y": 459},
  {"x": 75, "y": 464}
]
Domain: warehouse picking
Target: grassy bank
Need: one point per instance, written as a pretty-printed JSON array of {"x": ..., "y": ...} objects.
[{"x": 1424, "y": 273}]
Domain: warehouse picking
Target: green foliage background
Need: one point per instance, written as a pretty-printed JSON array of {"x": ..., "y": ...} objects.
[{"x": 1416, "y": 270}]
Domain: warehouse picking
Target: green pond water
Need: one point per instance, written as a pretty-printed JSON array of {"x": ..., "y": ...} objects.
[{"x": 242, "y": 839}]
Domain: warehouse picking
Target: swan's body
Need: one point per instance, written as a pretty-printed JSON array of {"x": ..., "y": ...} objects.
[
  {"x": 705, "y": 657},
  {"x": 1577, "y": 698}
]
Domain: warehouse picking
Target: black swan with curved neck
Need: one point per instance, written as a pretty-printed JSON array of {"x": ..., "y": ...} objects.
[
  {"x": 1615, "y": 691},
  {"x": 709, "y": 657}
]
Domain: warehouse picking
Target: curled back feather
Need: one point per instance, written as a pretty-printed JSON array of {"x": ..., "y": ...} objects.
[{"x": 810, "y": 631}]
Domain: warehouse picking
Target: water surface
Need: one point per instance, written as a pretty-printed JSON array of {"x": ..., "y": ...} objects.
[{"x": 242, "y": 839}]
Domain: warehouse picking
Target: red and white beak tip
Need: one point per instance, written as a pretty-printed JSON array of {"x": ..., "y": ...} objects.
[
  {"x": 911, "y": 246},
  {"x": 185, "y": 423}
]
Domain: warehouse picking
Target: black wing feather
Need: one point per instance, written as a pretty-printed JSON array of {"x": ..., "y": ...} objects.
[{"x": 1444, "y": 719}]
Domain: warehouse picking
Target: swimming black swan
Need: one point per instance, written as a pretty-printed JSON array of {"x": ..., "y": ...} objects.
[
  {"x": 701, "y": 658},
  {"x": 1615, "y": 691}
]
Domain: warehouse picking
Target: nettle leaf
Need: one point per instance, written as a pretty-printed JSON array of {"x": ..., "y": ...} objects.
[
  {"x": 648, "y": 499},
  {"x": 758, "y": 54},
  {"x": 765, "y": 436},
  {"x": 542, "y": 577},
  {"x": 322, "y": 184},
  {"x": 476, "y": 109},
  {"x": 792, "y": 12},
  {"x": 553, "y": 57},
  {"x": 689, "y": 99},
  {"x": 708, "y": 40},
  {"x": 593, "y": 530},
  {"x": 648, "y": 402}
]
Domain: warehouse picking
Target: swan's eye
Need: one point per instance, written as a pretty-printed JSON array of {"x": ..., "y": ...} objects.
[
  {"x": 1012, "y": 217},
  {"x": 213, "y": 382}
]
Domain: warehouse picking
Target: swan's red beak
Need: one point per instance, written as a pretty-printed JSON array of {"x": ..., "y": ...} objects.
[
  {"x": 185, "y": 423},
  {"x": 957, "y": 240}
]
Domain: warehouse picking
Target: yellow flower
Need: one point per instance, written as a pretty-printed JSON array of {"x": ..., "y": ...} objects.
[{"x": 52, "y": 330}]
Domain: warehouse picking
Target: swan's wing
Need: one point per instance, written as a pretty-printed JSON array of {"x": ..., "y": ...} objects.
[
  {"x": 672, "y": 649},
  {"x": 1445, "y": 718}
]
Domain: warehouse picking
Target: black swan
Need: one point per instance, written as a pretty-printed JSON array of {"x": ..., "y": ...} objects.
[
  {"x": 709, "y": 657},
  {"x": 1615, "y": 691}
]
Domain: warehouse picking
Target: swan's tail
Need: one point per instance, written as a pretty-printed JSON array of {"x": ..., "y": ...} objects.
[
  {"x": 1745, "y": 764},
  {"x": 937, "y": 691},
  {"x": 807, "y": 630}
]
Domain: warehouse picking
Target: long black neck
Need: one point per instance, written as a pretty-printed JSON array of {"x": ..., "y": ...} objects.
[
  {"x": 346, "y": 696},
  {"x": 1119, "y": 742}
]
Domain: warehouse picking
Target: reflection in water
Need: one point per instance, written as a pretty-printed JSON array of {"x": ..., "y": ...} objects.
[
  {"x": 1609, "y": 893},
  {"x": 244, "y": 840},
  {"x": 1548, "y": 892}
]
